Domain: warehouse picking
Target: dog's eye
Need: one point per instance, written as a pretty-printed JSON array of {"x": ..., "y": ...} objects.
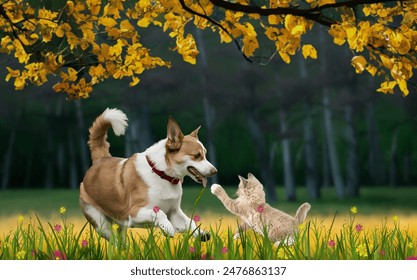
[{"x": 197, "y": 156}]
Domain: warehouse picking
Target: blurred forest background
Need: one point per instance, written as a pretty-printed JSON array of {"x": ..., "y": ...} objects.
[{"x": 311, "y": 124}]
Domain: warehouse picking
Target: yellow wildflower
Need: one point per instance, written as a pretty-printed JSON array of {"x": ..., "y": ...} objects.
[
  {"x": 62, "y": 210},
  {"x": 395, "y": 218},
  {"x": 284, "y": 254},
  {"x": 115, "y": 227},
  {"x": 410, "y": 245},
  {"x": 20, "y": 219},
  {"x": 354, "y": 210},
  {"x": 361, "y": 250},
  {"x": 21, "y": 255}
]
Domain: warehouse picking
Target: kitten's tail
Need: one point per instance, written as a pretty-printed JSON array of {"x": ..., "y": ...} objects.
[{"x": 301, "y": 213}]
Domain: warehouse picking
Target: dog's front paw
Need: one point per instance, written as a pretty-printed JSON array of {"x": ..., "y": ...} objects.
[
  {"x": 204, "y": 236},
  {"x": 216, "y": 189},
  {"x": 167, "y": 228}
]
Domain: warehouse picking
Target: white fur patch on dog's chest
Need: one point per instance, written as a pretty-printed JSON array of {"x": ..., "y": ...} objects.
[{"x": 165, "y": 197}]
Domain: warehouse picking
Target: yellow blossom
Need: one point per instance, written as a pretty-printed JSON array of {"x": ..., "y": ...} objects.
[
  {"x": 361, "y": 250},
  {"x": 21, "y": 255},
  {"x": 353, "y": 210},
  {"x": 395, "y": 218},
  {"x": 20, "y": 218},
  {"x": 284, "y": 254},
  {"x": 410, "y": 245},
  {"x": 62, "y": 210},
  {"x": 115, "y": 227}
]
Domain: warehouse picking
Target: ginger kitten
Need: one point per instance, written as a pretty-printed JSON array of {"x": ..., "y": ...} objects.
[{"x": 255, "y": 213}]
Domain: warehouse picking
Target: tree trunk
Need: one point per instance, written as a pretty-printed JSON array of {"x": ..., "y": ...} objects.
[
  {"x": 376, "y": 167},
  {"x": 352, "y": 154},
  {"x": 289, "y": 184},
  {"x": 138, "y": 136},
  {"x": 393, "y": 159},
  {"x": 406, "y": 169},
  {"x": 209, "y": 110},
  {"x": 73, "y": 174},
  {"x": 7, "y": 161},
  {"x": 267, "y": 174},
  {"x": 49, "y": 180},
  {"x": 310, "y": 148},
  {"x": 85, "y": 155},
  {"x": 331, "y": 146}
]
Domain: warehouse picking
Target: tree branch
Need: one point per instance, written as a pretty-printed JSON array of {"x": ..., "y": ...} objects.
[
  {"x": 191, "y": 11},
  {"x": 314, "y": 14}
]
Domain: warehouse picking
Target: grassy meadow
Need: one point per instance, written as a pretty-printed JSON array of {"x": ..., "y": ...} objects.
[{"x": 48, "y": 224}]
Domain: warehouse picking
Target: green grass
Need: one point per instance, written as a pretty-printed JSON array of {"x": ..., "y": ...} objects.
[
  {"x": 372, "y": 201},
  {"x": 341, "y": 236},
  {"x": 39, "y": 240}
]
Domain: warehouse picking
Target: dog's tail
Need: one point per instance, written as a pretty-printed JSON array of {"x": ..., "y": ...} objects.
[
  {"x": 301, "y": 213},
  {"x": 99, "y": 147}
]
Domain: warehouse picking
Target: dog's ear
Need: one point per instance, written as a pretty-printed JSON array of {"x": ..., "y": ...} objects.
[
  {"x": 195, "y": 132},
  {"x": 174, "y": 135}
]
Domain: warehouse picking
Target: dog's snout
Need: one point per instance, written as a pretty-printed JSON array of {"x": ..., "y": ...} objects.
[{"x": 213, "y": 171}]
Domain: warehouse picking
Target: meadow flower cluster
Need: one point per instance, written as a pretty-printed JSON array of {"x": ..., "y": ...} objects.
[{"x": 34, "y": 239}]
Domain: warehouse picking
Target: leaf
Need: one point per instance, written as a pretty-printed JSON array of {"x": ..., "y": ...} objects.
[
  {"x": 371, "y": 69},
  {"x": 285, "y": 57},
  {"x": 387, "y": 87},
  {"x": 224, "y": 37},
  {"x": 325, "y": 2},
  {"x": 359, "y": 62},
  {"x": 107, "y": 21},
  {"x": 386, "y": 61},
  {"x": 12, "y": 73},
  {"x": 144, "y": 22},
  {"x": 274, "y": 19},
  {"x": 134, "y": 82},
  {"x": 402, "y": 84},
  {"x": 309, "y": 51}
]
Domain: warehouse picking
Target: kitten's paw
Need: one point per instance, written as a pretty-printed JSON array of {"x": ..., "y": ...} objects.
[
  {"x": 236, "y": 236},
  {"x": 216, "y": 189}
]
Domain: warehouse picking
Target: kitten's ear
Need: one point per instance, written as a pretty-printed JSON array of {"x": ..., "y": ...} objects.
[
  {"x": 242, "y": 180},
  {"x": 252, "y": 177}
]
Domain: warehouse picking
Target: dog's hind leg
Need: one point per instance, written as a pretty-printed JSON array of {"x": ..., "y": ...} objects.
[{"x": 100, "y": 222}]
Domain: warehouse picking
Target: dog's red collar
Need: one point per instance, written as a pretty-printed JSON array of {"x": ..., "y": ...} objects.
[{"x": 161, "y": 173}]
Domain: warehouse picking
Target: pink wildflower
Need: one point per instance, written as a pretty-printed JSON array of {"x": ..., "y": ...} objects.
[
  {"x": 224, "y": 250},
  {"x": 358, "y": 227},
  {"x": 84, "y": 243},
  {"x": 196, "y": 218},
  {"x": 331, "y": 243},
  {"x": 203, "y": 256},
  {"x": 411, "y": 258},
  {"x": 59, "y": 256},
  {"x": 156, "y": 209},
  {"x": 191, "y": 249},
  {"x": 57, "y": 228},
  {"x": 260, "y": 209},
  {"x": 382, "y": 252}
]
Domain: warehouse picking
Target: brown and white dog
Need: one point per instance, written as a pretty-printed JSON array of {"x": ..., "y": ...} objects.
[{"x": 145, "y": 188}]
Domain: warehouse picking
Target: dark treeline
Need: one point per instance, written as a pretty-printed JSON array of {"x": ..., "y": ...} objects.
[{"x": 313, "y": 123}]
